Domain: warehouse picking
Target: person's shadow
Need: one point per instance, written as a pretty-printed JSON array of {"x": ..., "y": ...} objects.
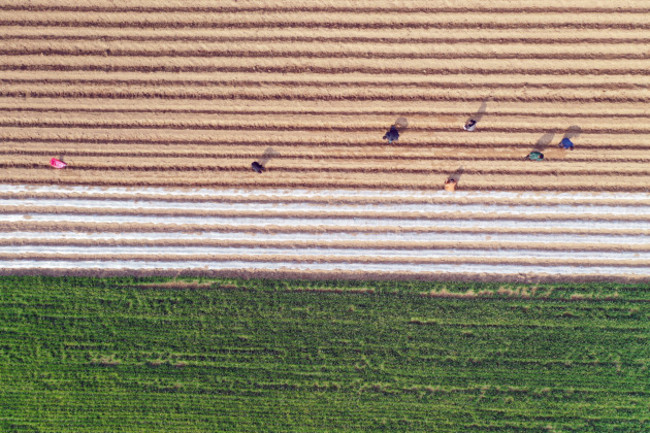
[
  {"x": 401, "y": 124},
  {"x": 260, "y": 167},
  {"x": 269, "y": 153},
  {"x": 476, "y": 117},
  {"x": 543, "y": 142},
  {"x": 456, "y": 175},
  {"x": 573, "y": 131}
]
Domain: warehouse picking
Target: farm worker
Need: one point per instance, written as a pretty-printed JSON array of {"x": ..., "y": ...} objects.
[
  {"x": 535, "y": 156},
  {"x": 391, "y": 135},
  {"x": 470, "y": 125},
  {"x": 450, "y": 184},
  {"x": 57, "y": 163},
  {"x": 257, "y": 167},
  {"x": 566, "y": 143}
]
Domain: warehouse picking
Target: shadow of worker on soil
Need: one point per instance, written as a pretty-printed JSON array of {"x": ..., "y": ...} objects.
[
  {"x": 573, "y": 131},
  {"x": 401, "y": 123},
  {"x": 543, "y": 142},
  {"x": 269, "y": 153},
  {"x": 456, "y": 175},
  {"x": 260, "y": 167}
]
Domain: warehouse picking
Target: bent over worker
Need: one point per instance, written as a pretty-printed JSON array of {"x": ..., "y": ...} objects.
[
  {"x": 535, "y": 156},
  {"x": 392, "y": 134},
  {"x": 257, "y": 167}
]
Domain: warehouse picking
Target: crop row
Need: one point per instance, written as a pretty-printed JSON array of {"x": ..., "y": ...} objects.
[{"x": 355, "y": 353}]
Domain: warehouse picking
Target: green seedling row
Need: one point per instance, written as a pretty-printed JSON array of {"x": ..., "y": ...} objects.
[{"x": 204, "y": 355}]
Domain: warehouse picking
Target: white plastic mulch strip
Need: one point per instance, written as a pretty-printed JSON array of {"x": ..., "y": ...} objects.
[
  {"x": 345, "y": 267},
  {"x": 488, "y": 223},
  {"x": 429, "y": 208},
  {"x": 334, "y": 253},
  {"x": 324, "y": 193},
  {"x": 586, "y": 212},
  {"x": 604, "y": 240}
]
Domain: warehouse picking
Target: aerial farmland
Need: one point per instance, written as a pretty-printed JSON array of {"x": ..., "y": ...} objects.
[
  {"x": 159, "y": 112},
  {"x": 520, "y": 160}
]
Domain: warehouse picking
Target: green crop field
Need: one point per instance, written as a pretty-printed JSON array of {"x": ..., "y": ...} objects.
[{"x": 171, "y": 355}]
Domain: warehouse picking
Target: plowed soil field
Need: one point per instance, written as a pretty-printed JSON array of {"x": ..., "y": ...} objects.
[{"x": 160, "y": 108}]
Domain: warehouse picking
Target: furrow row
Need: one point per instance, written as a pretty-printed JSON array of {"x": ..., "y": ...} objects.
[
  {"x": 310, "y": 114},
  {"x": 418, "y": 126},
  {"x": 321, "y": 54},
  {"x": 318, "y": 169},
  {"x": 361, "y": 84},
  {"x": 198, "y": 38},
  {"x": 321, "y": 157},
  {"x": 270, "y": 209},
  {"x": 254, "y": 198},
  {"x": 360, "y": 221},
  {"x": 354, "y": 196},
  {"x": 332, "y": 24},
  {"x": 322, "y": 193},
  {"x": 347, "y": 108},
  {"x": 325, "y": 254},
  {"x": 318, "y": 69},
  {"x": 513, "y": 259},
  {"x": 480, "y": 230},
  {"x": 37, "y": 157},
  {"x": 387, "y": 96},
  {"x": 38, "y": 8},
  {"x": 314, "y": 142},
  {"x": 325, "y": 35},
  {"x": 261, "y": 247},
  {"x": 285, "y": 126},
  {"x": 504, "y": 182},
  {"x": 387, "y": 237}
]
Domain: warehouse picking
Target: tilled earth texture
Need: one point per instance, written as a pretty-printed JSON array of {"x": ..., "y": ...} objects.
[{"x": 159, "y": 109}]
